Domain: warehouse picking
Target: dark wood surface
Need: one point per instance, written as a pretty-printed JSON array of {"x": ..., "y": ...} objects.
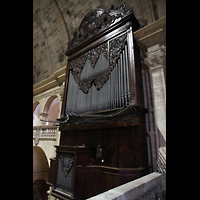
[
  {"x": 90, "y": 180},
  {"x": 129, "y": 24},
  {"x": 121, "y": 146},
  {"x": 123, "y": 142}
]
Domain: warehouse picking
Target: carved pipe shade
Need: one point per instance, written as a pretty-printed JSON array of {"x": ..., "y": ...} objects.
[
  {"x": 101, "y": 67},
  {"x": 102, "y": 59}
]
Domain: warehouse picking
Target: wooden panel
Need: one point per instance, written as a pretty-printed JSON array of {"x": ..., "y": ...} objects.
[
  {"x": 123, "y": 141},
  {"x": 81, "y": 138}
]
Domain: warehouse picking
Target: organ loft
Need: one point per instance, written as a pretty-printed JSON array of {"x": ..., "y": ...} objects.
[{"x": 103, "y": 141}]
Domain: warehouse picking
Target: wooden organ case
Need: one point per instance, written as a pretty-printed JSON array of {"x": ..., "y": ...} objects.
[{"x": 103, "y": 139}]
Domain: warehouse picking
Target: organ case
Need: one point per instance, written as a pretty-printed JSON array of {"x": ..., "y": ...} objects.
[{"x": 103, "y": 105}]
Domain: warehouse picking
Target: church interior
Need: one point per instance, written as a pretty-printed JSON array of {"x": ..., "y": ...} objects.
[{"x": 99, "y": 99}]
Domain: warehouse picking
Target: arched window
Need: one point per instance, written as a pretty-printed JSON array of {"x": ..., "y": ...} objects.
[{"x": 36, "y": 113}]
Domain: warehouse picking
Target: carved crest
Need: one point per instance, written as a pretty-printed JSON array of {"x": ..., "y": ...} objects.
[
  {"x": 96, "y": 21},
  {"x": 92, "y": 23}
]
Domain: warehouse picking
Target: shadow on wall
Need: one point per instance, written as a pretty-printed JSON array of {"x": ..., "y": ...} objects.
[{"x": 161, "y": 157}]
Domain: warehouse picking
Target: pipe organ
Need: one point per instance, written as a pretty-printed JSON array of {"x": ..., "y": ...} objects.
[
  {"x": 100, "y": 87},
  {"x": 103, "y": 140}
]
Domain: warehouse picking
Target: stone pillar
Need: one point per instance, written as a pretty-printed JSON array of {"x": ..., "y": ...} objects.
[
  {"x": 156, "y": 62},
  {"x": 150, "y": 125},
  {"x": 61, "y": 92},
  {"x": 153, "y": 55},
  {"x": 44, "y": 117}
]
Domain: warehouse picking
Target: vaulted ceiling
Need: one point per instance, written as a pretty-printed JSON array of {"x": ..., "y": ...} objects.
[
  {"x": 50, "y": 38},
  {"x": 54, "y": 22}
]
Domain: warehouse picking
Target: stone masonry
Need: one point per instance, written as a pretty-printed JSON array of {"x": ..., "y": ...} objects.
[{"x": 55, "y": 21}]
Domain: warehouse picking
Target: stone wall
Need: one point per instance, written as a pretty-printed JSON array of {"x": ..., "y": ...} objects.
[
  {"x": 55, "y": 21},
  {"x": 148, "y": 187},
  {"x": 152, "y": 42}
]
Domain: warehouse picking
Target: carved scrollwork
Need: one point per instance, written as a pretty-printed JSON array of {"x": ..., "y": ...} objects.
[
  {"x": 93, "y": 54},
  {"x": 100, "y": 80},
  {"x": 119, "y": 11},
  {"x": 116, "y": 46},
  {"x": 76, "y": 66},
  {"x": 95, "y": 21},
  {"x": 67, "y": 169},
  {"x": 85, "y": 85}
]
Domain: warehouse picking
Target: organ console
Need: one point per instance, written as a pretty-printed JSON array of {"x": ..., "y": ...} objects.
[{"x": 103, "y": 138}]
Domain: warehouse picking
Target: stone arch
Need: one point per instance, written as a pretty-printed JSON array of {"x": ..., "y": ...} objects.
[
  {"x": 48, "y": 103},
  {"x": 35, "y": 104},
  {"x": 40, "y": 174},
  {"x": 40, "y": 164},
  {"x": 36, "y": 113},
  {"x": 51, "y": 111}
]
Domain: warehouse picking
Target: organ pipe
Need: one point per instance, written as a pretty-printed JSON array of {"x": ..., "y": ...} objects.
[{"x": 115, "y": 92}]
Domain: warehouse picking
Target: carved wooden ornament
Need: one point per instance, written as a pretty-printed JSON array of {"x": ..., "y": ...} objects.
[
  {"x": 95, "y": 21},
  {"x": 76, "y": 66},
  {"x": 66, "y": 169}
]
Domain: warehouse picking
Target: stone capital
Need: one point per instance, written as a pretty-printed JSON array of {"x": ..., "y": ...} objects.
[
  {"x": 44, "y": 115},
  {"x": 155, "y": 58}
]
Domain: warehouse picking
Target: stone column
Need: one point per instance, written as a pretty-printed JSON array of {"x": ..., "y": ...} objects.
[
  {"x": 61, "y": 92},
  {"x": 44, "y": 117},
  {"x": 155, "y": 60},
  {"x": 152, "y": 40}
]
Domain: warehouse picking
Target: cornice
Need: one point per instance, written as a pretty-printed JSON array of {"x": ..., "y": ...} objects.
[
  {"x": 151, "y": 33},
  {"x": 56, "y": 79},
  {"x": 155, "y": 58}
]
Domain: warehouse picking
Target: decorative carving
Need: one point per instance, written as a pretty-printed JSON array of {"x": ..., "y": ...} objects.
[
  {"x": 96, "y": 21},
  {"x": 76, "y": 66},
  {"x": 91, "y": 22},
  {"x": 119, "y": 11},
  {"x": 93, "y": 54},
  {"x": 67, "y": 169},
  {"x": 85, "y": 85},
  {"x": 100, "y": 80},
  {"x": 116, "y": 47}
]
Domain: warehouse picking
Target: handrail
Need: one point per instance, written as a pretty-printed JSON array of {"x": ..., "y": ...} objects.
[
  {"x": 44, "y": 126},
  {"x": 146, "y": 187}
]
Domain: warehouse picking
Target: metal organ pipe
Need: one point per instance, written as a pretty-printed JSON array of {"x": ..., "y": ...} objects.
[
  {"x": 115, "y": 93},
  {"x": 127, "y": 72}
]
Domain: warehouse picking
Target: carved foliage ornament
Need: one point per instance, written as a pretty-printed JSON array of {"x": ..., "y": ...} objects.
[
  {"x": 76, "y": 65},
  {"x": 96, "y": 21},
  {"x": 70, "y": 159}
]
